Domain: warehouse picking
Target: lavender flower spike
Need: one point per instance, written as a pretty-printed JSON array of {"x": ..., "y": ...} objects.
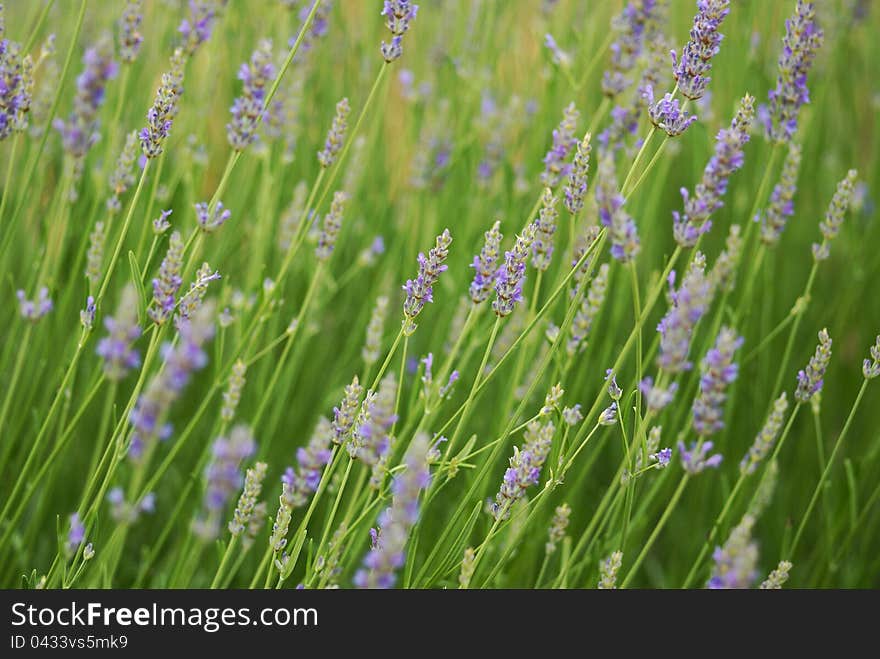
[
  {"x": 736, "y": 562},
  {"x": 420, "y": 291},
  {"x": 656, "y": 397},
  {"x": 247, "y": 110},
  {"x": 370, "y": 439},
  {"x": 299, "y": 483},
  {"x": 245, "y": 510},
  {"x": 766, "y": 438},
  {"x": 810, "y": 379},
  {"x": 166, "y": 285},
  {"x": 667, "y": 114},
  {"x": 871, "y": 367},
  {"x": 718, "y": 372},
  {"x": 542, "y": 246},
  {"x": 332, "y": 225},
  {"x": 691, "y": 69},
  {"x": 777, "y": 577},
  {"x": 398, "y": 15},
  {"x": 694, "y": 221},
  {"x": 564, "y": 140},
  {"x": 196, "y": 29},
  {"x": 621, "y": 226},
  {"x": 15, "y": 98},
  {"x": 181, "y": 360},
  {"x": 76, "y": 534},
  {"x": 830, "y": 226},
  {"x": 130, "y": 38},
  {"x": 576, "y": 188},
  {"x": 211, "y": 219},
  {"x": 161, "y": 115},
  {"x": 388, "y": 552},
  {"x": 33, "y": 310},
  {"x": 687, "y": 305},
  {"x": 511, "y": 276},
  {"x": 694, "y": 459},
  {"x": 122, "y": 331},
  {"x": 608, "y": 569},
  {"x": 345, "y": 415},
  {"x": 525, "y": 467},
  {"x": 586, "y": 314},
  {"x": 485, "y": 265},
  {"x": 802, "y": 39},
  {"x": 336, "y": 135},
  {"x": 782, "y": 199},
  {"x": 80, "y": 131}
]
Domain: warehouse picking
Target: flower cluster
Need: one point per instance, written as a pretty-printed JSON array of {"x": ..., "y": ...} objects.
[
  {"x": 777, "y": 577},
  {"x": 871, "y": 367},
  {"x": 245, "y": 511},
  {"x": 525, "y": 467},
  {"x": 694, "y": 221},
  {"x": 576, "y": 187},
  {"x": 667, "y": 114},
  {"x": 80, "y": 131},
  {"x": 33, "y": 310},
  {"x": 723, "y": 273},
  {"x": 766, "y": 437},
  {"x": 371, "y": 438},
  {"x": 696, "y": 458},
  {"x": 386, "y": 556},
  {"x": 126, "y": 512},
  {"x": 232, "y": 395},
  {"x": 631, "y": 29},
  {"x": 718, "y": 372},
  {"x": 545, "y": 227},
  {"x": 167, "y": 283},
  {"x": 802, "y": 39},
  {"x": 211, "y": 219},
  {"x": 512, "y": 274},
  {"x": 687, "y": 305},
  {"x": 485, "y": 265},
  {"x": 130, "y": 38},
  {"x": 420, "y": 291},
  {"x": 556, "y": 166},
  {"x": 736, "y": 562},
  {"x": 122, "y": 331},
  {"x": 148, "y": 418},
  {"x": 782, "y": 198},
  {"x": 691, "y": 69},
  {"x": 196, "y": 29},
  {"x": 830, "y": 225},
  {"x": 223, "y": 477},
  {"x": 608, "y": 569},
  {"x": 16, "y": 81},
  {"x": 810, "y": 379},
  {"x": 332, "y": 225},
  {"x": 121, "y": 179},
  {"x": 587, "y": 312},
  {"x": 656, "y": 397},
  {"x": 621, "y": 226},
  {"x": 161, "y": 115},
  {"x": 557, "y": 527},
  {"x": 345, "y": 415},
  {"x": 248, "y": 109},
  {"x": 398, "y": 15},
  {"x": 299, "y": 483},
  {"x": 336, "y": 135},
  {"x": 193, "y": 298},
  {"x": 373, "y": 342}
]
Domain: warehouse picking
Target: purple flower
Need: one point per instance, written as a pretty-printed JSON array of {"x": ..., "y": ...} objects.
[
  {"x": 388, "y": 543},
  {"x": 810, "y": 379},
  {"x": 33, "y": 310},
  {"x": 76, "y": 533},
  {"x": 485, "y": 265},
  {"x": 344, "y": 416},
  {"x": 691, "y": 69},
  {"x": 420, "y": 291},
  {"x": 148, "y": 418},
  {"x": 248, "y": 109},
  {"x": 663, "y": 456},
  {"x": 161, "y": 115},
  {"x": 634, "y": 28},
  {"x": 332, "y": 225},
  {"x": 16, "y": 83},
  {"x": 667, "y": 114},
  {"x": 336, "y": 135},
  {"x": 511, "y": 275},
  {"x": 802, "y": 39},
  {"x": 656, "y": 397},
  {"x": 687, "y": 306},
  {"x": 718, "y": 372},
  {"x": 211, "y": 219},
  {"x": 766, "y": 437},
  {"x": 559, "y": 56},
  {"x": 782, "y": 199},
  {"x": 246, "y": 509},
  {"x": 576, "y": 187},
  {"x": 196, "y": 29},
  {"x": 830, "y": 225},
  {"x": 122, "y": 330},
  {"x": 398, "y": 15},
  {"x": 299, "y": 483},
  {"x": 586, "y": 314},
  {"x": 694, "y": 221},
  {"x": 620, "y": 224},
  {"x": 166, "y": 285},
  {"x": 371, "y": 439},
  {"x": 736, "y": 562},
  {"x": 317, "y": 29},
  {"x": 545, "y": 228},
  {"x": 130, "y": 38},
  {"x": 525, "y": 467},
  {"x": 564, "y": 140},
  {"x": 80, "y": 131},
  {"x": 695, "y": 459},
  {"x": 871, "y": 367}
]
